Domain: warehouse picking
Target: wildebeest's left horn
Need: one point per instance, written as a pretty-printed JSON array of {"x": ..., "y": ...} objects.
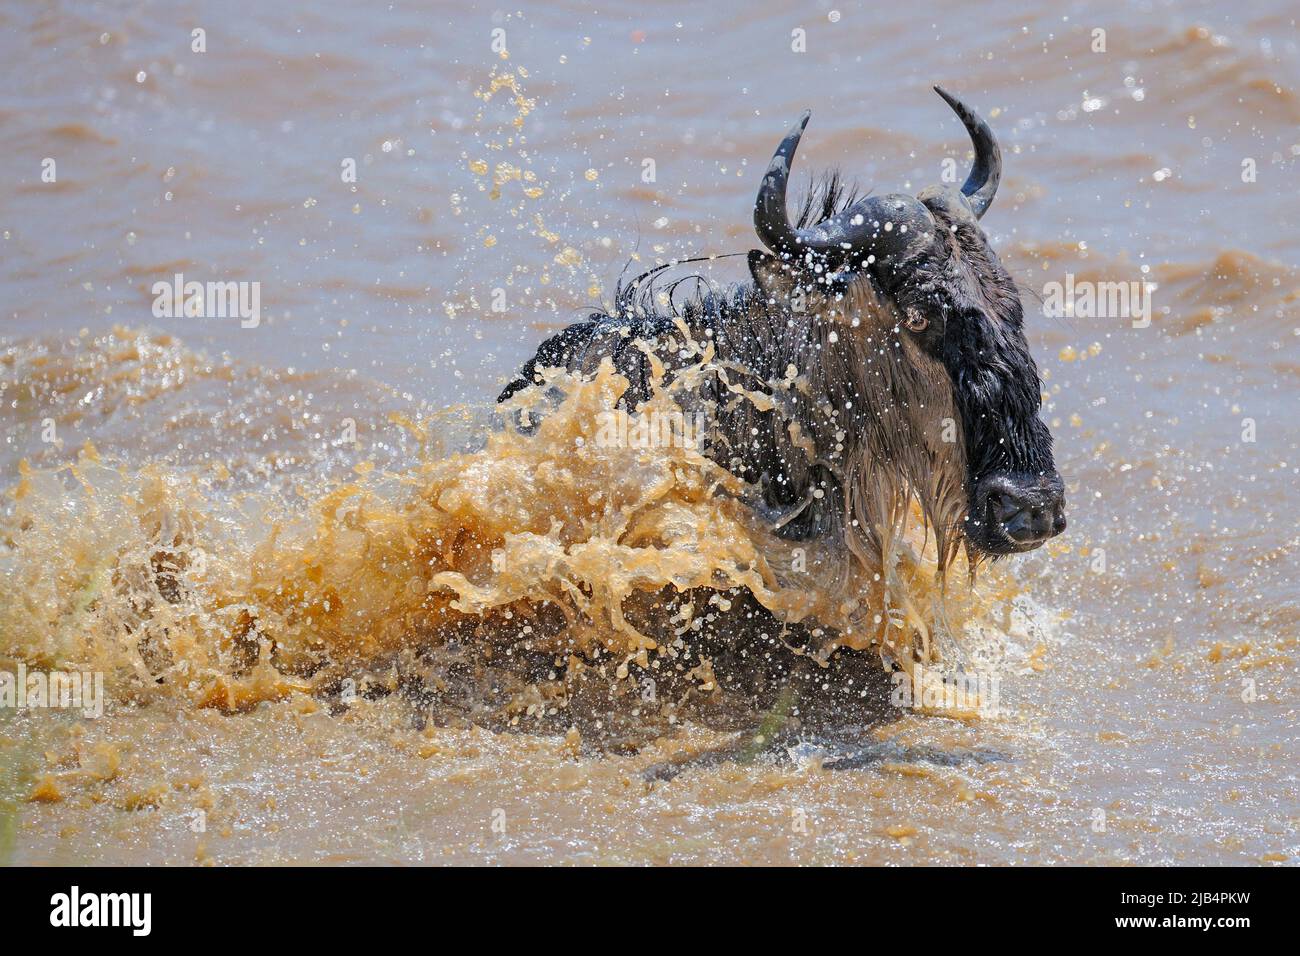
[
  {"x": 880, "y": 226},
  {"x": 982, "y": 183}
]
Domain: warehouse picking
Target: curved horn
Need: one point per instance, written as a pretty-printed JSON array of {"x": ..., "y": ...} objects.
[
  {"x": 982, "y": 183},
  {"x": 877, "y": 225},
  {"x": 771, "y": 218}
]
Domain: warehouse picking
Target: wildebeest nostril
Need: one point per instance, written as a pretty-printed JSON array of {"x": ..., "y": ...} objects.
[
  {"x": 1005, "y": 506},
  {"x": 1028, "y": 524},
  {"x": 1026, "y": 518}
]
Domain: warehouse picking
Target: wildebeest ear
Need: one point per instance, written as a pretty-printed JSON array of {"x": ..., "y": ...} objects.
[{"x": 774, "y": 278}]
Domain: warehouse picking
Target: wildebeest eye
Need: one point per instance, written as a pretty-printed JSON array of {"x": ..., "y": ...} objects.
[{"x": 916, "y": 321}]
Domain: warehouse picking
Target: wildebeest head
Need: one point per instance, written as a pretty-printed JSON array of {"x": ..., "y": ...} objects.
[{"x": 940, "y": 331}]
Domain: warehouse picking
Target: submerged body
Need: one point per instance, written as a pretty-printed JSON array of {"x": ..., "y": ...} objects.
[{"x": 804, "y": 411}]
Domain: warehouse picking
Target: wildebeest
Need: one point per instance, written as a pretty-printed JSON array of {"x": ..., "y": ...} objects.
[{"x": 886, "y": 345}]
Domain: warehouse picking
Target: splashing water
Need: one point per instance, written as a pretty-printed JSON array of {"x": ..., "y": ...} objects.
[{"x": 547, "y": 546}]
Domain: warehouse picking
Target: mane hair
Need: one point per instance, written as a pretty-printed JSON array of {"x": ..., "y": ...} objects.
[{"x": 827, "y": 195}]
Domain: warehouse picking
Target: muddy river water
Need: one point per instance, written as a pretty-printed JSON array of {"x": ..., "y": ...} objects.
[{"x": 340, "y": 615}]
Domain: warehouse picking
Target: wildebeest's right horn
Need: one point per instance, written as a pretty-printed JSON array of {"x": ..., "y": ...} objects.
[
  {"x": 880, "y": 226},
  {"x": 982, "y": 183},
  {"x": 771, "y": 218}
]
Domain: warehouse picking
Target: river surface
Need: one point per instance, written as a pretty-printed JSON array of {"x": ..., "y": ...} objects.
[{"x": 275, "y": 540}]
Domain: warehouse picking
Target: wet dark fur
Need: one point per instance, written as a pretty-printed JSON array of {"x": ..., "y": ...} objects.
[{"x": 975, "y": 333}]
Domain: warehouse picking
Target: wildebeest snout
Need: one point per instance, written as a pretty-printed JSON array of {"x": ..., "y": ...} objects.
[{"x": 1023, "y": 510}]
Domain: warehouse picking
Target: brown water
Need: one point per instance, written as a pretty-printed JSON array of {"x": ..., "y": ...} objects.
[{"x": 277, "y": 543}]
